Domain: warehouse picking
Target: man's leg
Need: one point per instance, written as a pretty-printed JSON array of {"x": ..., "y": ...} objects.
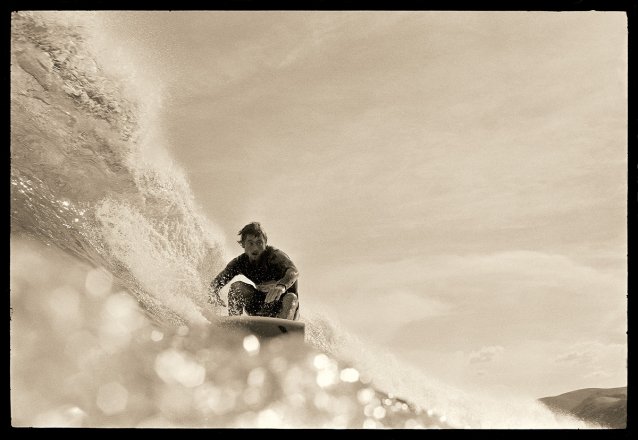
[
  {"x": 289, "y": 306},
  {"x": 239, "y": 295}
]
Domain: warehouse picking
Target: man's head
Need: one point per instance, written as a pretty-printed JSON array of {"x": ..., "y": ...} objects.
[{"x": 253, "y": 240}]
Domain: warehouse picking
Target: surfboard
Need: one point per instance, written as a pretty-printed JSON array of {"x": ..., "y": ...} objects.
[{"x": 264, "y": 327}]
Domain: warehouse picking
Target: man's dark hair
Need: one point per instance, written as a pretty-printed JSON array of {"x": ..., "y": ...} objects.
[{"x": 253, "y": 228}]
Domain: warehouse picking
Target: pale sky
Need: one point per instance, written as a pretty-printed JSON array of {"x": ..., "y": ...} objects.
[{"x": 451, "y": 185}]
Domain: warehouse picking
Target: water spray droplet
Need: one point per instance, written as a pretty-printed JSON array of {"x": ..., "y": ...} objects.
[
  {"x": 365, "y": 395},
  {"x": 349, "y": 375},
  {"x": 320, "y": 361},
  {"x": 251, "y": 344},
  {"x": 378, "y": 412},
  {"x": 157, "y": 335}
]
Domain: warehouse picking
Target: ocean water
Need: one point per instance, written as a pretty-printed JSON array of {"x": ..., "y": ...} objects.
[{"x": 110, "y": 260}]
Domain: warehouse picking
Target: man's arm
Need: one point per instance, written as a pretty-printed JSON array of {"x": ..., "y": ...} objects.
[
  {"x": 289, "y": 278},
  {"x": 219, "y": 282},
  {"x": 278, "y": 288}
]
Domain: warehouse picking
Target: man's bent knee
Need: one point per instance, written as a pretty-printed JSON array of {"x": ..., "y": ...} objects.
[
  {"x": 289, "y": 306},
  {"x": 240, "y": 286},
  {"x": 238, "y": 296}
]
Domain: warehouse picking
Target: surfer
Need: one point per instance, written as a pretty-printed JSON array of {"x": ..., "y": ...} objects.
[{"x": 273, "y": 272}]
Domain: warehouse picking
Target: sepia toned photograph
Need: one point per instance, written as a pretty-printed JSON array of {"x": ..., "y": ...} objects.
[{"x": 359, "y": 220}]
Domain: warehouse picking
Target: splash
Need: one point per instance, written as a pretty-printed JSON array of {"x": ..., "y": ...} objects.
[{"x": 439, "y": 400}]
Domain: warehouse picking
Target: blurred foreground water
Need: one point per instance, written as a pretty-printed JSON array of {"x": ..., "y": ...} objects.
[{"x": 84, "y": 354}]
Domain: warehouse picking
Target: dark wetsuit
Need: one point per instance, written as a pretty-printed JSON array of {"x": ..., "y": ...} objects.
[{"x": 270, "y": 267}]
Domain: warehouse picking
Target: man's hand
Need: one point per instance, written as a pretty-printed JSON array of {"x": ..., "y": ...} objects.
[
  {"x": 273, "y": 291},
  {"x": 265, "y": 287},
  {"x": 216, "y": 300}
]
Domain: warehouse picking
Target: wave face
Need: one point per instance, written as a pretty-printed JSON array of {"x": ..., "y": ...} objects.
[
  {"x": 111, "y": 258},
  {"x": 88, "y": 178}
]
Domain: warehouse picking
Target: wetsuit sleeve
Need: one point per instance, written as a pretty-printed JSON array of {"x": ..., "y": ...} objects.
[
  {"x": 289, "y": 278},
  {"x": 229, "y": 272},
  {"x": 286, "y": 268}
]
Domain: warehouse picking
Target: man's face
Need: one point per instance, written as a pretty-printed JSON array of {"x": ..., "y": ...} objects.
[{"x": 254, "y": 246}]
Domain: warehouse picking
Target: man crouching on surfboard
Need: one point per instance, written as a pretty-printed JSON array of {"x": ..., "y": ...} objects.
[{"x": 272, "y": 271}]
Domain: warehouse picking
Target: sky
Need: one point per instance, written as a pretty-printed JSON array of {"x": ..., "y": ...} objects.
[{"x": 451, "y": 185}]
